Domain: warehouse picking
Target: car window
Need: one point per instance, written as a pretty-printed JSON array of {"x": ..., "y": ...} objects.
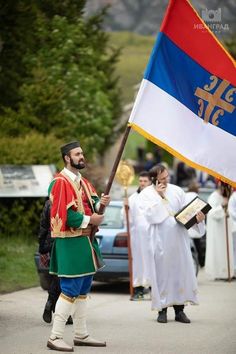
[
  {"x": 205, "y": 193},
  {"x": 113, "y": 218},
  {"x": 204, "y": 196}
]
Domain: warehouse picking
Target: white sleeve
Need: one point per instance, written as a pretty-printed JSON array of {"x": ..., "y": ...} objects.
[
  {"x": 200, "y": 228},
  {"x": 85, "y": 222},
  {"x": 154, "y": 211},
  {"x": 217, "y": 213}
]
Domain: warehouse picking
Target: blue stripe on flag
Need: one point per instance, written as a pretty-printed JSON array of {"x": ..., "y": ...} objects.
[{"x": 180, "y": 76}]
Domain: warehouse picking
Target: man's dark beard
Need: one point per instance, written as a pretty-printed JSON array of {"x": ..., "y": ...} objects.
[{"x": 78, "y": 166}]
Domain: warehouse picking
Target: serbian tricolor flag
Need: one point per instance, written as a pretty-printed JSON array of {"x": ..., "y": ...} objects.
[{"x": 186, "y": 101}]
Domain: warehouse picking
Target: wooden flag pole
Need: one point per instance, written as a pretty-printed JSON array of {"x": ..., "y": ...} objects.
[
  {"x": 130, "y": 259},
  {"x": 112, "y": 176}
]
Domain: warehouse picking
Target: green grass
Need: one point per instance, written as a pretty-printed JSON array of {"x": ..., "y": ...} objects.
[
  {"x": 136, "y": 50},
  {"x": 17, "y": 268}
]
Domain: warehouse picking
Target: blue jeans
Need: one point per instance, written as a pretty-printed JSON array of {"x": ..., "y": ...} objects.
[{"x": 73, "y": 287}]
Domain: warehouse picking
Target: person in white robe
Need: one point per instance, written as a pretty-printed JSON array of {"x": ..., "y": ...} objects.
[
  {"x": 173, "y": 278},
  {"x": 232, "y": 213},
  {"x": 139, "y": 242},
  {"x": 216, "y": 262}
]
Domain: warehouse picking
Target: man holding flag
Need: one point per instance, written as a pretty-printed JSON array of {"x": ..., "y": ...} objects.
[{"x": 74, "y": 258}]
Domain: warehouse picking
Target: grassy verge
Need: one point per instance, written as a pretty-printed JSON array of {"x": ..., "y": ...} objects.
[
  {"x": 17, "y": 268},
  {"x": 136, "y": 50}
]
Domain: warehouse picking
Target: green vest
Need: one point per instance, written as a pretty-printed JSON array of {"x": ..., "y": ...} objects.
[{"x": 75, "y": 257}]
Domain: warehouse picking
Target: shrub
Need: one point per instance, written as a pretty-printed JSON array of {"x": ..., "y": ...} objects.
[{"x": 20, "y": 217}]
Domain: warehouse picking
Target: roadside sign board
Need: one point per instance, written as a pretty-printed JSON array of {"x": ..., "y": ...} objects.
[{"x": 25, "y": 180}]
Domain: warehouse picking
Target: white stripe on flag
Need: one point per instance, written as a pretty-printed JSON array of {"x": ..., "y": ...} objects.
[{"x": 163, "y": 117}]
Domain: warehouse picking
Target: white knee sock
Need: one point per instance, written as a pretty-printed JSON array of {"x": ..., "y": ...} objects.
[
  {"x": 62, "y": 312},
  {"x": 79, "y": 317}
]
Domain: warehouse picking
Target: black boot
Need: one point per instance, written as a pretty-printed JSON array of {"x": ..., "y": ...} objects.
[
  {"x": 180, "y": 315},
  {"x": 47, "y": 313},
  {"x": 138, "y": 294},
  {"x": 162, "y": 316}
]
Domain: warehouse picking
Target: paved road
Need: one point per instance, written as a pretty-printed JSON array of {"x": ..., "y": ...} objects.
[{"x": 128, "y": 327}]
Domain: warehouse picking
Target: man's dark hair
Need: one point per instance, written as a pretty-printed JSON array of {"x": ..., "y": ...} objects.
[
  {"x": 144, "y": 174},
  {"x": 65, "y": 149},
  {"x": 156, "y": 170},
  {"x": 64, "y": 157},
  {"x": 225, "y": 189}
]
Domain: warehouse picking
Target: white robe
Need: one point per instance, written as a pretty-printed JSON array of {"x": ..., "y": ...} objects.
[
  {"x": 140, "y": 244},
  {"x": 216, "y": 250},
  {"x": 173, "y": 276},
  {"x": 232, "y": 213}
]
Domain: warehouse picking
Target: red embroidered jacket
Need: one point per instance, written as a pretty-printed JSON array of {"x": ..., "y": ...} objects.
[{"x": 65, "y": 194}]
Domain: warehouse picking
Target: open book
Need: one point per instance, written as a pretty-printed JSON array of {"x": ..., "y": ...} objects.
[{"x": 187, "y": 215}]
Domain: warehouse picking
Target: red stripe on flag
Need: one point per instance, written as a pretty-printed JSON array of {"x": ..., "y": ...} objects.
[{"x": 187, "y": 30}]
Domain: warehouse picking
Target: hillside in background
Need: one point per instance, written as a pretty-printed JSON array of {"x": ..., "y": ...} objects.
[{"x": 145, "y": 16}]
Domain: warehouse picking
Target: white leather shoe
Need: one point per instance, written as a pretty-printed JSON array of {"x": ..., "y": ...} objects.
[
  {"x": 59, "y": 344},
  {"x": 88, "y": 341}
]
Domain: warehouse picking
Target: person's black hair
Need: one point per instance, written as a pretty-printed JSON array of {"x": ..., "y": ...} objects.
[
  {"x": 65, "y": 149},
  {"x": 156, "y": 170},
  {"x": 226, "y": 189},
  {"x": 144, "y": 174}
]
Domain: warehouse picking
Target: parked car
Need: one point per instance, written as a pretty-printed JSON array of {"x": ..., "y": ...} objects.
[
  {"x": 112, "y": 239},
  {"x": 204, "y": 193}
]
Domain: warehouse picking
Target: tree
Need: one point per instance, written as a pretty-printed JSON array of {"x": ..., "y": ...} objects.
[
  {"x": 71, "y": 9},
  {"x": 17, "y": 30},
  {"x": 70, "y": 90}
]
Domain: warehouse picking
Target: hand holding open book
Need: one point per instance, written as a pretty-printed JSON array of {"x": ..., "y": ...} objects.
[
  {"x": 190, "y": 214},
  {"x": 200, "y": 216}
]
